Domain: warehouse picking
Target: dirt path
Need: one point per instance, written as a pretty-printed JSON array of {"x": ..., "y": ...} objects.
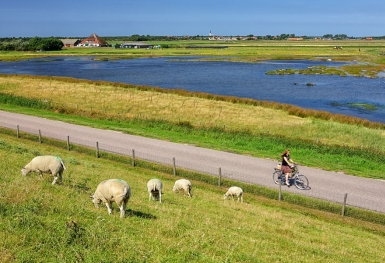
[{"x": 362, "y": 192}]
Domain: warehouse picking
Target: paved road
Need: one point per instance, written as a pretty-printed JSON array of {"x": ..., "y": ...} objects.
[{"x": 362, "y": 192}]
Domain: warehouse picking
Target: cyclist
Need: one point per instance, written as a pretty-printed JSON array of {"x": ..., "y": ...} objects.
[{"x": 287, "y": 165}]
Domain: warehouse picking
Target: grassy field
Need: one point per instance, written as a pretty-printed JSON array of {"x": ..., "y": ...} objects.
[
  {"x": 45, "y": 223},
  {"x": 317, "y": 139}
]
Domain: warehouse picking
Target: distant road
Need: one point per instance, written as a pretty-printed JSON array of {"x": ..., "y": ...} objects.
[{"x": 362, "y": 192}]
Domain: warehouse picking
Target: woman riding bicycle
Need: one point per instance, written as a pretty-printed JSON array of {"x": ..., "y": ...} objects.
[{"x": 287, "y": 165}]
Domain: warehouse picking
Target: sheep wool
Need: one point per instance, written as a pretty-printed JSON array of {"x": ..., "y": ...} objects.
[
  {"x": 46, "y": 164},
  {"x": 154, "y": 188},
  {"x": 112, "y": 190},
  {"x": 234, "y": 191},
  {"x": 183, "y": 184}
]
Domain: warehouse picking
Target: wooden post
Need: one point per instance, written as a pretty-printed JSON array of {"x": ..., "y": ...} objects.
[
  {"x": 17, "y": 132},
  {"x": 174, "y": 167},
  {"x": 97, "y": 149},
  {"x": 68, "y": 143},
  {"x": 219, "y": 176},
  {"x": 344, "y": 204},
  {"x": 40, "y": 136},
  {"x": 280, "y": 190},
  {"x": 133, "y": 157}
]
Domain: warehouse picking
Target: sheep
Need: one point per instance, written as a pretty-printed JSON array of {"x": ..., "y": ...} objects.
[
  {"x": 112, "y": 190},
  {"x": 154, "y": 188},
  {"x": 45, "y": 164},
  {"x": 182, "y": 184},
  {"x": 234, "y": 190}
]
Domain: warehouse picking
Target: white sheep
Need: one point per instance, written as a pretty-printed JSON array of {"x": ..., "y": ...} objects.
[
  {"x": 45, "y": 164},
  {"x": 234, "y": 190},
  {"x": 154, "y": 188},
  {"x": 183, "y": 184},
  {"x": 112, "y": 190}
]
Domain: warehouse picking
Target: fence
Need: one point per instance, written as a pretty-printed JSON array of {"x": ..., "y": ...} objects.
[{"x": 215, "y": 175}]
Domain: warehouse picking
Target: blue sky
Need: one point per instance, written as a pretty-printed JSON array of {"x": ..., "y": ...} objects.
[{"x": 45, "y": 18}]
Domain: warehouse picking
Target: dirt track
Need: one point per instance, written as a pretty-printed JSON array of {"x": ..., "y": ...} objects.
[{"x": 362, "y": 192}]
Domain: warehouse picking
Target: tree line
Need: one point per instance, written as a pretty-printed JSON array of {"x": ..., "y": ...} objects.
[{"x": 31, "y": 44}]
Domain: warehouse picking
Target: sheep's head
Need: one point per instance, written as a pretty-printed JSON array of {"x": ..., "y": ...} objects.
[
  {"x": 224, "y": 196},
  {"x": 24, "y": 171},
  {"x": 96, "y": 201}
]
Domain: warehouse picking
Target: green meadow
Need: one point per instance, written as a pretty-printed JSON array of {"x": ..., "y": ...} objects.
[{"x": 45, "y": 223}]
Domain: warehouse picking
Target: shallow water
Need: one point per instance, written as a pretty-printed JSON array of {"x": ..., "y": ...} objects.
[{"x": 248, "y": 80}]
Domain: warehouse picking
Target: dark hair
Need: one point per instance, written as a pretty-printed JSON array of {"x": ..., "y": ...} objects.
[{"x": 285, "y": 153}]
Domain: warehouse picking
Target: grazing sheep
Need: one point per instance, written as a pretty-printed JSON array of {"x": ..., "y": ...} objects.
[
  {"x": 182, "y": 184},
  {"x": 154, "y": 188},
  {"x": 234, "y": 190},
  {"x": 45, "y": 164},
  {"x": 112, "y": 190}
]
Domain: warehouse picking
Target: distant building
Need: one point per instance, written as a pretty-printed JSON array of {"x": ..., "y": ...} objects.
[
  {"x": 93, "y": 41},
  {"x": 136, "y": 45},
  {"x": 369, "y": 38},
  {"x": 295, "y": 38},
  {"x": 70, "y": 42}
]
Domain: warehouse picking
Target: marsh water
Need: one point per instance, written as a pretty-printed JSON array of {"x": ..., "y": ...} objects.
[{"x": 344, "y": 95}]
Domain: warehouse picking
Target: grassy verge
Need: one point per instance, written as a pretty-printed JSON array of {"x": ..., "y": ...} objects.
[
  {"x": 62, "y": 217},
  {"x": 318, "y": 139}
]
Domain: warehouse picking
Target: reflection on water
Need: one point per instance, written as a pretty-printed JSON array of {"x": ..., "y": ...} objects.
[{"x": 329, "y": 93}]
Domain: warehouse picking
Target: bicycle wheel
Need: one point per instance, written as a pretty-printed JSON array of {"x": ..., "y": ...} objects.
[
  {"x": 301, "y": 182},
  {"x": 277, "y": 176}
]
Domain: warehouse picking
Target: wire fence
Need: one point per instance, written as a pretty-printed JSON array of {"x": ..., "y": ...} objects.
[{"x": 215, "y": 175}]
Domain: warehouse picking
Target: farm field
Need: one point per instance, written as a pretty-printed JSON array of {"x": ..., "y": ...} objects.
[{"x": 38, "y": 218}]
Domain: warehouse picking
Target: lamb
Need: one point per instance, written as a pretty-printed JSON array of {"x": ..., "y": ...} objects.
[
  {"x": 154, "y": 188},
  {"x": 112, "y": 190},
  {"x": 234, "y": 190},
  {"x": 46, "y": 164},
  {"x": 182, "y": 184}
]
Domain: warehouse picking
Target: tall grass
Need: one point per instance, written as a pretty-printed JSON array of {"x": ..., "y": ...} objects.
[
  {"x": 45, "y": 223},
  {"x": 245, "y": 126}
]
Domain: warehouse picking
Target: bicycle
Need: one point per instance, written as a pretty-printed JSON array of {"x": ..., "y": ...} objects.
[{"x": 300, "y": 181}]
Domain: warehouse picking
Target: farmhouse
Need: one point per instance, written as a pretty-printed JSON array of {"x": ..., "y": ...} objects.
[
  {"x": 70, "y": 42},
  {"x": 93, "y": 41}
]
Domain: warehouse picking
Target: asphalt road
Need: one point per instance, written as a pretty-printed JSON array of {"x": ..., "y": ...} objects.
[{"x": 362, "y": 192}]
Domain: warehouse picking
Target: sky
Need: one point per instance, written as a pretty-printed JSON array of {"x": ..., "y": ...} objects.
[{"x": 64, "y": 18}]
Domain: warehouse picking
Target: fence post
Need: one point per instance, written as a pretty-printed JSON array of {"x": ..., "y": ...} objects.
[
  {"x": 17, "y": 132},
  {"x": 280, "y": 192},
  {"x": 97, "y": 149},
  {"x": 39, "y": 136},
  {"x": 219, "y": 176},
  {"x": 344, "y": 205},
  {"x": 133, "y": 157},
  {"x": 68, "y": 143},
  {"x": 174, "y": 167}
]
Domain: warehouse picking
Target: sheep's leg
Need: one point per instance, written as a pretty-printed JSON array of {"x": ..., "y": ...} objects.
[
  {"x": 123, "y": 209},
  {"x": 149, "y": 196},
  {"x": 61, "y": 176},
  {"x": 108, "y": 204},
  {"x": 160, "y": 196},
  {"x": 55, "y": 179},
  {"x": 40, "y": 173},
  {"x": 241, "y": 198}
]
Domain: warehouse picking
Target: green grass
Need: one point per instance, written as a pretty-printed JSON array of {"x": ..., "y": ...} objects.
[
  {"x": 257, "y": 129},
  {"x": 45, "y": 223}
]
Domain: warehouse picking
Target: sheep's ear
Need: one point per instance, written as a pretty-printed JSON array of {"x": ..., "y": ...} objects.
[{"x": 91, "y": 196}]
